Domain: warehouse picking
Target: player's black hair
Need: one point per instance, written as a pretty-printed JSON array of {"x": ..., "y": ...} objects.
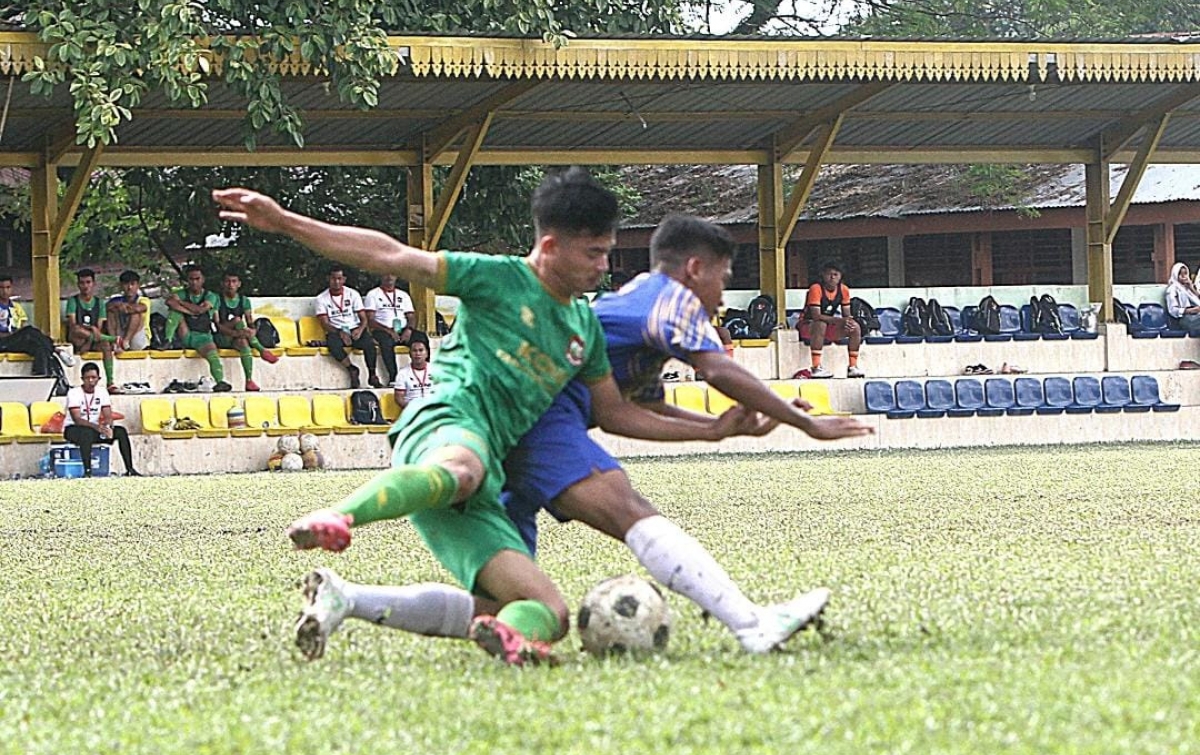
[
  {"x": 335, "y": 269},
  {"x": 572, "y": 202},
  {"x": 5, "y": 277},
  {"x": 89, "y": 367},
  {"x": 831, "y": 265},
  {"x": 419, "y": 337},
  {"x": 678, "y": 237},
  {"x": 129, "y": 276},
  {"x": 86, "y": 272},
  {"x": 189, "y": 269},
  {"x": 231, "y": 272}
]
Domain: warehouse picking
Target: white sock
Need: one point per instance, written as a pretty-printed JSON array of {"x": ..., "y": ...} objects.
[
  {"x": 428, "y": 608},
  {"x": 683, "y": 565}
]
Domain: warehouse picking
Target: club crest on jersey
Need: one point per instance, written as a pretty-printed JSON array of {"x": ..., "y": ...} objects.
[
  {"x": 575, "y": 351},
  {"x": 527, "y": 317}
]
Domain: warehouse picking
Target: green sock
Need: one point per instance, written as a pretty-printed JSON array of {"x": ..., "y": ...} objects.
[
  {"x": 108, "y": 368},
  {"x": 173, "y": 320},
  {"x": 107, "y": 338},
  {"x": 247, "y": 362},
  {"x": 532, "y": 618},
  {"x": 399, "y": 492},
  {"x": 255, "y": 344},
  {"x": 214, "y": 365}
]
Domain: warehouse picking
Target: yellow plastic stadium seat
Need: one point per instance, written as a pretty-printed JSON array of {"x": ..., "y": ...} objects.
[
  {"x": 15, "y": 357},
  {"x": 196, "y": 408},
  {"x": 91, "y": 356},
  {"x": 191, "y": 354},
  {"x": 785, "y": 390},
  {"x": 6, "y": 440},
  {"x": 133, "y": 355},
  {"x": 40, "y": 412},
  {"x": 228, "y": 353},
  {"x": 218, "y": 411},
  {"x": 330, "y": 412},
  {"x": 691, "y": 397},
  {"x": 154, "y": 412},
  {"x": 167, "y": 354},
  {"x": 388, "y": 406},
  {"x": 260, "y": 413},
  {"x": 754, "y": 343},
  {"x": 295, "y": 413},
  {"x": 311, "y": 330},
  {"x": 718, "y": 402},
  {"x": 287, "y": 331},
  {"x": 14, "y": 422},
  {"x": 401, "y": 349},
  {"x": 817, "y": 394},
  {"x": 668, "y": 393}
]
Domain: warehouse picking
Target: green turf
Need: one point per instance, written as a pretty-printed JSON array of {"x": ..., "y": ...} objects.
[{"x": 1034, "y": 601}]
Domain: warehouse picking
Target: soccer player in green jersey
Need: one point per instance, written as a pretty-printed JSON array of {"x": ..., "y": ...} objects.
[{"x": 522, "y": 333}]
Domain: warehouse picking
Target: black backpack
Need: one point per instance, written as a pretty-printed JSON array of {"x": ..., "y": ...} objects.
[
  {"x": 266, "y": 332},
  {"x": 939, "y": 320},
  {"x": 1121, "y": 315},
  {"x": 915, "y": 319},
  {"x": 762, "y": 316},
  {"x": 862, "y": 311},
  {"x": 987, "y": 317},
  {"x": 738, "y": 328},
  {"x": 365, "y": 410},
  {"x": 158, "y": 334},
  {"x": 1044, "y": 316}
]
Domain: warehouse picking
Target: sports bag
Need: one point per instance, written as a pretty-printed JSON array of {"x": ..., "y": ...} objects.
[
  {"x": 939, "y": 320},
  {"x": 365, "y": 409},
  {"x": 987, "y": 317},
  {"x": 862, "y": 311},
  {"x": 762, "y": 316},
  {"x": 915, "y": 319},
  {"x": 266, "y": 332},
  {"x": 1044, "y": 316}
]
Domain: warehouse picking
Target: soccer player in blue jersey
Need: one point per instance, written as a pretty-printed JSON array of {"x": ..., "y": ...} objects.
[{"x": 558, "y": 467}]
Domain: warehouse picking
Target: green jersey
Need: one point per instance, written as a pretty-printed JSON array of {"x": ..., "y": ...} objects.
[
  {"x": 201, "y": 323},
  {"x": 514, "y": 346},
  {"x": 90, "y": 313}
]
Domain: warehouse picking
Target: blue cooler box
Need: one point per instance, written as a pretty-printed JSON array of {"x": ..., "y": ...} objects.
[{"x": 70, "y": 452}]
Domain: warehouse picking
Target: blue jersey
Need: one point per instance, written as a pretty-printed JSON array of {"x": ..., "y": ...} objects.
[{"x": 651, "y": 319}]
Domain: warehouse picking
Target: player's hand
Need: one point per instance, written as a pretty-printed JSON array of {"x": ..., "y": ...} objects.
[
  {"x": 802, "y": 404},
  {"x": 251, "y": 208},
  {"x": 346, "y": 339},
  {"x": 739, "y": 420},
  {"x": 832, "y": 428}
]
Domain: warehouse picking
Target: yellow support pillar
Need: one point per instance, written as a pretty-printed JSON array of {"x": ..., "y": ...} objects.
[
  {"x": 770, "y": 244},
  {"x": 420, "y": 212},
  {"x": 1099, "y": 246},
  {"x": 43, "y": 185}
]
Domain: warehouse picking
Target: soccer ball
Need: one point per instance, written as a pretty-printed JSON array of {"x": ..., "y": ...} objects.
[
  {"x": 291, "y": 463},
  {"x": 312, "y": 459},
  {"x": 308, "y": 442},
  {"x": 289, "y": 444},
  {"x": 624, "y": 615},
  {"x": 275, "y": 461}
]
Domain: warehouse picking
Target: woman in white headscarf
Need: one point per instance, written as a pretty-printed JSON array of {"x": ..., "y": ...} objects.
[{"x": 1183, "y": 300}]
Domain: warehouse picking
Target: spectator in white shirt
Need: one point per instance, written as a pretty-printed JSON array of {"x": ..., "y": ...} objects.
[
  {"x": 344, "y": 318},
  {"x": 1183, "y": 300},
  {"x": 392, "y": 320},
  {"x": 415, "y": 382},
  {"x": 89, "y": 421}
]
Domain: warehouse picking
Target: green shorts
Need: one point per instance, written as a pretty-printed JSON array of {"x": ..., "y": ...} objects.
[
  {"x": 463, "y": 537},
  {"x": 195, "y": 341},
  {"x": 225, "y": 342}
]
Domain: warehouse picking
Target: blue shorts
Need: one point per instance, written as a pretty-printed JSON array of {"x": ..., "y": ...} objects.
[{"x": 553, "y": 456}]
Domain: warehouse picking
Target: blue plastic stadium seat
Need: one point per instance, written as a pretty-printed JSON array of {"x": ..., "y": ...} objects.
[
  {"x": 964, "y": 330},
  {"x": 939, "y": 398},
  {"x": 1058, "y": 395},
  {"x": 879, "y": 396},
  {"x": 1031, "y": 395},
  {"x": 1066, "y": 331},
  {"x": 1087, "y": 395},
  {"x": 968, "y": 395},
  {"x": 889, "y": 325},
  {"x": 1024, "y": 331},
  {"x": 1150, "y": 321},
  {"x": 1073, "y": 324},
  {"x": 1154, "y": 317},
  {"x": 1116, "y": 394},
  {"x": 999, "y": 395},
  {"x": 1010, "y": 322},
  {"x": 910, "y": 400},
  {"x": 1145, "y": 393}
]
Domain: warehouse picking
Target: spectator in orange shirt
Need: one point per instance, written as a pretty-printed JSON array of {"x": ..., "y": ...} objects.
[{"x": 827, "y": 318}]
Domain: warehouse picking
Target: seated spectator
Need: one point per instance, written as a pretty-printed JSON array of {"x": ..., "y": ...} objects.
[
  {"x": 827, "y": 318},
  {"x": 414, "y": 382},
  {"x": 1183, "y": 300},
  {"x": 235, "y": 327},
  {"x": 17, "y": 336},
  {"x": 391, "y": 321},
  {"x": 89, "y": 421},
  {"x": 86, "y": 316},
  {"x": 129, "y": 315},
  {"x": 344, "y": 318},
  {"x": 196, "y": 307}
]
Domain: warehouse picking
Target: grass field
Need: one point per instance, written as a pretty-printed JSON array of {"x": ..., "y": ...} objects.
[{"x": 1036, "y": 601}]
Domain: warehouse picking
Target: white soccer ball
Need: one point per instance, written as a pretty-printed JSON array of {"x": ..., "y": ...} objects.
[
  {"x": 624, "y": 615},
  {"x": 291, "y": 463},
  {"x": 308, "y": 442},
  {"x": 289, "y": 444}
]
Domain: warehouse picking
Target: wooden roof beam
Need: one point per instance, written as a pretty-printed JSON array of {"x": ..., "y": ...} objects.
[
  {"x": 1137, "y": 169},
  {"x": 808, "y": 177},
  {"x": 74, "y": 195},
  {"x": 789, "y": 139},
  {"x": 456, "y": 179},
  {"x": 440, "y": 137},
  {"x": 1114, "y": 139}
]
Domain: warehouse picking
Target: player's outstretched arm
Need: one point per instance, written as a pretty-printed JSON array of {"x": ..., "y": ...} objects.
[
  {"x": 620, "y": 417},
  {"x": 362, "y": 248},
  {"x": 742, "y": 386}
]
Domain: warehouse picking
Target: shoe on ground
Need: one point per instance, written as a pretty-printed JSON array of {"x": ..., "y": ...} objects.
[
  {"x": 374, "y": 381},
  {"x": 206, "y": 384},
  {"x": 65, "y": 356},
  {"x": 855, "y": 372},
  {"x": 116, "y": 390},
  {"x": 252, "y": 386},
  {"x": 803, "y": 374},
  {"x": 507, "y": 644},
  {"x": 221, "y": 387},
  {"x": 354, "y": 381},
  {"x": 778, "y": 623},
  {"x": 268, "y": 356},
  {"x": 820, "y": 372},
  {"x": 325, "y": 529},
  {"x": 326, "y": 606}
]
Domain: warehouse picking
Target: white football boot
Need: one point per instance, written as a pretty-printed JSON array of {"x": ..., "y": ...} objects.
[
  {"x": 326, "y": 605},
  {"x": 777, "y": 623}
]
